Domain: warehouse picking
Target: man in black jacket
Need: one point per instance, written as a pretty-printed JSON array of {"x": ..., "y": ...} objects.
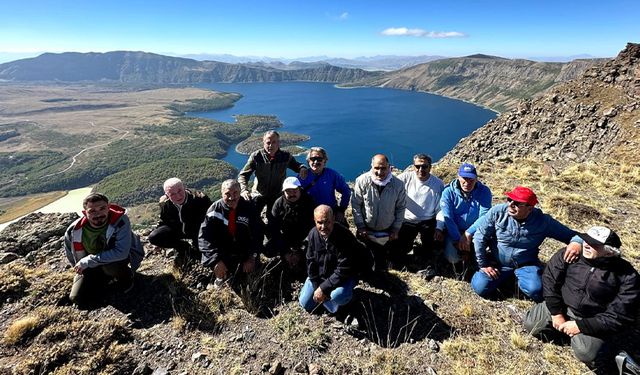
[
  {"x": 589, "y": 300},
  {"x": 181, "y": 213},
  {"x": 230, "y": 236},
  {"x": 292, "y": 219},
  {"x": 270, "y": 165},
  {"x": 331, "y": 257}
]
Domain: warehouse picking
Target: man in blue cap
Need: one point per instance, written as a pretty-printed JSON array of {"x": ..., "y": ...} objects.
[{"x": 463, "y": 201}]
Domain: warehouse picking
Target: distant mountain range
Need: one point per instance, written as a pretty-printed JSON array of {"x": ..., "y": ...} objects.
[{"x": 142, "y": 67}]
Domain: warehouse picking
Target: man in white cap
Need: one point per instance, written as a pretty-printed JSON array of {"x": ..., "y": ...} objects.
[
  {"x": 589, "y": 300},
  {"x": 292, "y": 215}
]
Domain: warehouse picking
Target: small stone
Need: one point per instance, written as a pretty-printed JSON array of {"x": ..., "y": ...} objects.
[
  {"x": 276, "y": 367},
  {"x": 433, "y": 345},
  {"x": 197, "y": 356},
  {"x": 8, "y": 257},
  {"x": 300, "y": 368},
  {"x": 161, "y": 371},
  {"x": 611, "y": 112},
  {"x": 315, "y": 369}
]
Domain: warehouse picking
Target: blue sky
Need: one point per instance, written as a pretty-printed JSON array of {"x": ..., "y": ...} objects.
[{"x": 328, "y": 27}]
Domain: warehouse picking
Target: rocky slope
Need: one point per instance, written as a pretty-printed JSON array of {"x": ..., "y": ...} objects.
[
  {"x": 141, "y": 67},
  {"x": 490, "y": 81},
  {"x": 580, "y": 120}
]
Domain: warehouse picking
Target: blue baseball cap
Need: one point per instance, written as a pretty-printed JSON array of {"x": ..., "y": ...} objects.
[{"x": 467, "y": 171}]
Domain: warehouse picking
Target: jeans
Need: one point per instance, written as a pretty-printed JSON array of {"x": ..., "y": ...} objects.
[
  {"x": 529, "y": 281},
  {"x": 338, "y": 297}
]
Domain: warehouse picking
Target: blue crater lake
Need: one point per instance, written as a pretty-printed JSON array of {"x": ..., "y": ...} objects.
[{"x": 354, "y": 124}]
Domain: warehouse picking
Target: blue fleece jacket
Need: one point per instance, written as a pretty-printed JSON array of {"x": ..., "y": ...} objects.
[
  {"x": 461, "y": 213},
  {"x": 324, "y": 189}
]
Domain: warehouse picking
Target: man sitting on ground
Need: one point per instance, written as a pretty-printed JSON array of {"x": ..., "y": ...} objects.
[
  {"x": 101, "y": 248},
  {"x": 181, "y": 213},
  {"x": 589, "y": 300},
  {"x": 331, "y": 260},
  {"x": 422, "y": 205},
  {"x": 292, "y": 220},
  {"x": 378, "y": 205},
  {"x": 507, "y": 242},
  {"x": 463, "y": 201},
  {"x": 230, "y": 235}
]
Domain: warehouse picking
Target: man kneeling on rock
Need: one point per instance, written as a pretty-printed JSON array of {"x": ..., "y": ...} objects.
[
  {"x": 331, "y": 257},
  {"x": 589, "y": 300},
  {"x": 101, "y": 248}
]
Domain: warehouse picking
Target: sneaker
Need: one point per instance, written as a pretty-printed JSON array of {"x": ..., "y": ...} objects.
[
  {"x": 427, "y": 273},
  {"x": 626, "y": 364}
]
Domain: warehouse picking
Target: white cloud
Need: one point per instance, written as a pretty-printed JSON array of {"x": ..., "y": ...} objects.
[
  {"x": 420, "y": 33},
  {"x": 344, "y": 16}
]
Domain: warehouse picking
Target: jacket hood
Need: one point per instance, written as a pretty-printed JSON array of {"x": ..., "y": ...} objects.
[{"x": 115, "y": 213}]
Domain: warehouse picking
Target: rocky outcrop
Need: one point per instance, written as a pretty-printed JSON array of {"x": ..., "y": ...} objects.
[
  {"x": 579, "y": 120},
  {"x": 35, "y": 232},
  {"x": 141, "y": 67}
]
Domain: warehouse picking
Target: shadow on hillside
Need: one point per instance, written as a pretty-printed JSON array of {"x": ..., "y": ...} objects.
[
  {"x": 391, "y": 317},
  {"x": 157, "y": 299}
]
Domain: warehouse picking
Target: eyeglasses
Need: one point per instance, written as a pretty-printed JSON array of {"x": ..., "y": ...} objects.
[
  {"x": 316, "y": 158},
  {"x": 422, "y": 166},
  {"x": 517, "y": 204}
]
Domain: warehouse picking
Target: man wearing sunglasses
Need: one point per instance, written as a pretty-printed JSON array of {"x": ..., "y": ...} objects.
[
  {"x": 507, "y": 242},
  {"x": 422, "y": 206}
]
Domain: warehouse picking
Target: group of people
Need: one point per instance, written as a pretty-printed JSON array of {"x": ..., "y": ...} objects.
[{"x": 586, "y": 291}]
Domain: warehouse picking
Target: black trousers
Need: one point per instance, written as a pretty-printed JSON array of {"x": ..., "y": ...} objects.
[
  {"x": 409, "y": 232},
  {"x": 169, "y": 238}
]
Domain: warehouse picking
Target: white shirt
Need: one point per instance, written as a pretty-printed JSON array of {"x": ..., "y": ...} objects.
[{"x": 423, "y": 197}]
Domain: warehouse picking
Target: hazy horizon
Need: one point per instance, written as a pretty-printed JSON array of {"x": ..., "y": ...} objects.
[{"x": 289, "y": 30}]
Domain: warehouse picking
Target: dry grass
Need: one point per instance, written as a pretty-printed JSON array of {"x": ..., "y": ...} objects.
[
  {"x": 313, "y": 336},
  {"x": 27, "y": 204}
]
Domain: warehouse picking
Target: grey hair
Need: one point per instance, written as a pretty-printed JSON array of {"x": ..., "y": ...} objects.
[
  {"x": 269, "y": 133},
  {"x": 173, "y": 181},
  {"x": 423, "y": 157},
  {"x": 229, "y": 184},
  {"x": 318, "y": 149},
  {"x": 612, "y": 250},
  {"x": 324, "y": 208}
]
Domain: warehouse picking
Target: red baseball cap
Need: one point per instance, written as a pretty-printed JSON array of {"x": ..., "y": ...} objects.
[{"x": 523, "y": 194}]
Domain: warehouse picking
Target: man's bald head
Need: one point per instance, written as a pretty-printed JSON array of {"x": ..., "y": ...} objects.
[
  {"x": 380, "y": 167},
  {"x": 324, "y": 219}
]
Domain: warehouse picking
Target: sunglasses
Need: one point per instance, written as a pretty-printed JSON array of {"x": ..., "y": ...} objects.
[
  {"x": 421, "y": 166},
  {"x": 517, "y": 204},
  {"x": 316, "y": 158}
]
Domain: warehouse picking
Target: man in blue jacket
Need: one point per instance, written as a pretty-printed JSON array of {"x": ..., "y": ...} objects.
[
  {"x": 463, "y": 201},
  {"x": 507, "y": 242}
]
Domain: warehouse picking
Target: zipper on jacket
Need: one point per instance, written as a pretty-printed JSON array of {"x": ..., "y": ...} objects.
[{"x": 584, "y": 286}]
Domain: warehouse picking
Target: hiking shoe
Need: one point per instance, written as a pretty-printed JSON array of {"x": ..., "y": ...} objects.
[
  {"x": 427, "y": 273},
  {"x": 626, "y": 365}
]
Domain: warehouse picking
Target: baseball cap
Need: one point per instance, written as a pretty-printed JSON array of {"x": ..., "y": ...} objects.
[
  {"x": 291, "y": 183},
  {"x": 598, "y": 236},
  {"x": 467, "y": 170},
  {"x": 523, "y": 194}
]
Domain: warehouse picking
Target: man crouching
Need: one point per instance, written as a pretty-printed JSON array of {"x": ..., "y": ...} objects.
[
  {"x": 589, "y": 300},
  {"x": 101, "y": 246}
]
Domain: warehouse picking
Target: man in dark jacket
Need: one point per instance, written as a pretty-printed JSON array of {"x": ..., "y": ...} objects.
[
  {"x": 589, "y": 300},
  {"x": 331, "y": 257},
  {"x": 181, "y": 213},
  {"x": 230, "y": 237},
  {"x": 270, "y": 165},
  {"x": 292, "y": 219}
]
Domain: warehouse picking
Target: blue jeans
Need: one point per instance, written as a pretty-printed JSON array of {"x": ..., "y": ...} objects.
[
  {"x": 529, "y": 281},
  {"x": 339, "y": 296}
]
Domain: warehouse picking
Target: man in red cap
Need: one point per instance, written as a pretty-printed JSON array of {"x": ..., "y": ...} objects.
[
  {"x": 589, "y": 300},
  {"x": 507, "y": 242}
]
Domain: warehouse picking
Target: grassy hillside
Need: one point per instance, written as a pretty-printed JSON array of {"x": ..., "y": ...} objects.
[{"x": 143, "y": 183}]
